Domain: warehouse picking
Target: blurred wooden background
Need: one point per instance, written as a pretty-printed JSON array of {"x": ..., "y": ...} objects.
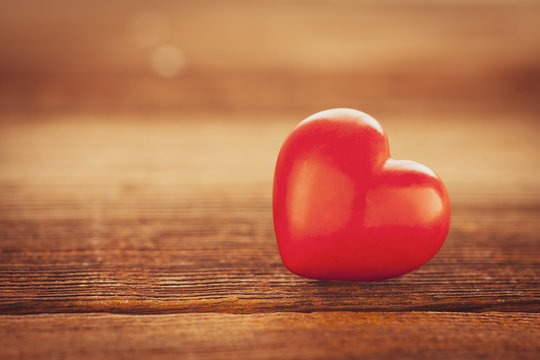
[{"x": 137, "y": 145}]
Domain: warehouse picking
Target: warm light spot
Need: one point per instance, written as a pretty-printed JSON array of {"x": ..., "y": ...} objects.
[
  {"x": 149, "y": 28},
  {"x": 402, "y": 206},
  {"x": 346, "y": 114},
  {"x": 320, "y": 200},
  {"x": 409, "y": 165},
  {"x": 167, "y": 60}
]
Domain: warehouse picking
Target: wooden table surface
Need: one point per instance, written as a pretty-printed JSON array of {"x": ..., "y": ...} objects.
[{"x": 135, "y": 210}]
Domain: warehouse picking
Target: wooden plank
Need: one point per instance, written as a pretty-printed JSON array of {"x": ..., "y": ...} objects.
[
  {"x": 271, "y": 56},
  {"x": 336, "y": 335},
  {"x": 369, "y": 35},
  {"x": 300, "y": 91},
  {"x": 123, "y": 191},
  {"x": 136, "y": 217}
]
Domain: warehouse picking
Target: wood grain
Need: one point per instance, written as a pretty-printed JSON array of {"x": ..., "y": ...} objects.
[
  {"x": 269, "y": 336},
  {"x": 122, "y": 220},
  {"x": 271, "y": 56},
  {"x": 135, "y": 207}
]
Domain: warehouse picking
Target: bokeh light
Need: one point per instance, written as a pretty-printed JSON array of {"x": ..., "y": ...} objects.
[{"x": 167, "y": 60}]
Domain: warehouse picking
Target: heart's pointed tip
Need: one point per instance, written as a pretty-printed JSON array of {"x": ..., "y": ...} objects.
[
  {"x": 346, "y": 279},
  {"x": 324, "y": 274}
]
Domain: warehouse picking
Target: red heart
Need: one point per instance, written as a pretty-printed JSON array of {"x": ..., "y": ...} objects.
[{"x": 344, "y": 210}]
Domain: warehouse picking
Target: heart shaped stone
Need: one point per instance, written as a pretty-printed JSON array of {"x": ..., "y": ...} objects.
[{"x": 344, "y": 210}]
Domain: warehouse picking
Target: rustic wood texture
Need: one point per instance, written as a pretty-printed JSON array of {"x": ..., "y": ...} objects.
[
  {"x": 411, "y": 335},
  {"x": 135, "y": 208},
  {"x": 121, "y": 220}
]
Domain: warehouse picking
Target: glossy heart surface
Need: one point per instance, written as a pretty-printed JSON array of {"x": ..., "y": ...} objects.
[{"x": 345, "y": 210}]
